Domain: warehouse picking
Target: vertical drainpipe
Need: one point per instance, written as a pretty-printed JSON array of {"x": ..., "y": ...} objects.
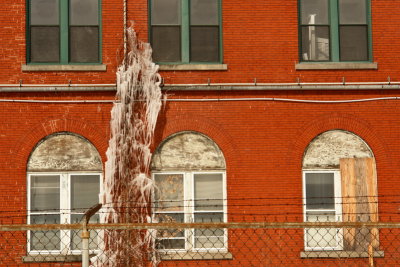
[{"x": 125, "y": 15}]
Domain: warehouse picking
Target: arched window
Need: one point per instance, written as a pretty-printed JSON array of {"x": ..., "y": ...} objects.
[
  {"x": 64, "y": 176},
  {"x": 339, "y": 184},
  {"x": 189, "y": 172}
]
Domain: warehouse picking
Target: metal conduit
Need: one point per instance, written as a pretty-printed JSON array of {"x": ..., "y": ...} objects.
[
  {"x": 210, "y": 84},
  {"x": 281, "y": 100},
  {"x": 210, "y": 100},
  {"x": 57, "y": 101}
]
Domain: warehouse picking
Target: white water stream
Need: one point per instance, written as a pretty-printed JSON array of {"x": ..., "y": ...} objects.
[{"x": 127, "y": 186}]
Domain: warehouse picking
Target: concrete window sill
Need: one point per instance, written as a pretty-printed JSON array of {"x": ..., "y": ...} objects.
[
  {"x": 339, "y": 254},
  {"x": 194, "y": 67},
  {"x": 197, "y": 256},
  {"x": 337, "y": 66},
  {"x": 69, "y": 67},
  {"x": 52, "y": 258}
]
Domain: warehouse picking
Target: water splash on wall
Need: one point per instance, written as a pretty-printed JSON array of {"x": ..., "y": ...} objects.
[{"x": 127, "y": 186}]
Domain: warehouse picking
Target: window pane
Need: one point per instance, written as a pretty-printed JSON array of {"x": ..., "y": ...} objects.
[
  {"x": 321, "y": 237},
  {"x": 45, "y": 240},
  {"x": 169, "y": 192},
  {"x": 209, "y": 218},
  {"x": 84, "y": 44},
  {"x": 165, "y": 12},
  {"x": 352, "y": 12},
  {"x": 353, "y": 43},
  {"x": 45, "y": 193},
  {"x": 204, "y": 12},
  {"x": 166, "y": 42},
  {"x": 44, "y": 12},
  {"x": 84, "y": 12},
  {"x": 204, "y": 44},
  {"x": 208, "y": 187},
  {"x": 85, "y": 191},
  {"x": 170, "y": 244},
  {"x": 315, "y": 43},
  {"x": 45, "y": 44},
  {"x": 314, "y": 12},
  {"x": 320, "y": 193},
  {"x": 209, "y": 242},
  {"x": 170, "y": 218},
  {"x": 76, "y": 239}
]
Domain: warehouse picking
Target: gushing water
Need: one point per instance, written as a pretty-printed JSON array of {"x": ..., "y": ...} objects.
[{"x": 127, "y": 186}]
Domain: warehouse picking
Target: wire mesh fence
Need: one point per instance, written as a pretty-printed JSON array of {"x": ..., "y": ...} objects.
[{"x": 253, "y": 243}]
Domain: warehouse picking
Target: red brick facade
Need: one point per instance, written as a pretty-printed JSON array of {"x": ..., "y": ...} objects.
[{"x": 263, "y": 141}]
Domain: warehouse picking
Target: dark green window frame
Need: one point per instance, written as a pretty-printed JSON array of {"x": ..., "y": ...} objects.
[
  {"x": 65, "y": 55},
  {"x": 186, "y": 30},
  {"x": 336, "y": 31}
]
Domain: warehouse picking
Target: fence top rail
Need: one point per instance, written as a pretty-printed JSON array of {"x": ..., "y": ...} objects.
[{"x": 228, "y": 225}]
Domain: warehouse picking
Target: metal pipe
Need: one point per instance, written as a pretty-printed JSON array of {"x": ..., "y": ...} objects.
[
  {"x": 125, "y": 29},
  {"x": 210, "y": 100},
  {"x": 195, "y": 87},
  {"x": 228, "y": 225},
  {"x": 57, "y": 101},
  {"x": 85, "y": 235},
  {"x": 280, "y": 100},
  {"x": 287, "y": 84},
  {"x": 207, "y": 84},
  {"x": 258, "y": 87},
  {"x": 285, "y": 87},
  {"x": 56, "y": 89},
  {"x": 59, "y": 85}
]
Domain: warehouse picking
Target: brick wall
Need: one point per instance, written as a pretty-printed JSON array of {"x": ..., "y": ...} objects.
[
  {"x": 263, "y": 141},
  {"x": 261, "y": 35}
]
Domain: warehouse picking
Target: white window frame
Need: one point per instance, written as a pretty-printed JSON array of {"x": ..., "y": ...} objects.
[
  {"x": 65, "y": 211},
  {"x": 337, "y": 209},
  {"x": 189, "y": 211}
]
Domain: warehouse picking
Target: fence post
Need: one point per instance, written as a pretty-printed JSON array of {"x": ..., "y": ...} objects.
[
  {"x": 371, "y": 255},
  {"x": 85, "y": 247},
  {"x": 86, "y": 234}
]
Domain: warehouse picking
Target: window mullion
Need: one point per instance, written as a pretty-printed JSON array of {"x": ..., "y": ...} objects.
[
  {"x": 369, "y": 19},
  {"x": 64, "y": 31},
  {"x": 189, "y": 208},
  {"x": 338, "y": 196},
  {"x": 65, "y": 212},
  {"x": 185, "y": 31},
  {"x": 334, "y": 29}
]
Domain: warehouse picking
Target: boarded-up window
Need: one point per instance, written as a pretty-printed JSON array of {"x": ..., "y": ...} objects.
[
  {"x": 360, "y": 202},
  {"x": 356, "y": 199}
]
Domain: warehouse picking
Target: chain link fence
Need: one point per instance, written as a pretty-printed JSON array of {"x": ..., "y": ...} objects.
[{"x": 206, "y": 244}]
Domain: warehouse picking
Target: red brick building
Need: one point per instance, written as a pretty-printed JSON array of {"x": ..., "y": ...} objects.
[{"x": 278, "y": 93}]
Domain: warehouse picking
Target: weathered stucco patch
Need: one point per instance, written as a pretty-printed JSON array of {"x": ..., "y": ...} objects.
[
  {"x": 64, "y": 152},
  {"x": 188, "y": 151},
  {"x": 327, "y": 148}
]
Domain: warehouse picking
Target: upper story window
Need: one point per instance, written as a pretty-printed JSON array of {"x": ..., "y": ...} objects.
[
  {"x": 64, "y": 179},
  {"x": 186, "y": 31},
  {"x": 63, "y": 31},
  {"x": 335, "y": 30}
]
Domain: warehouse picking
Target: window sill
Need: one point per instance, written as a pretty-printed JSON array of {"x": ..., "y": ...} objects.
[
  {"x": 194, "y": 67},
  {"x": 52, "y": 258},
  {"x": 337, "y": 66},
  {"x": 196, "y": 256},
  {"x": 339, "y": 254},
  {"x": 69, "y": 67}
]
